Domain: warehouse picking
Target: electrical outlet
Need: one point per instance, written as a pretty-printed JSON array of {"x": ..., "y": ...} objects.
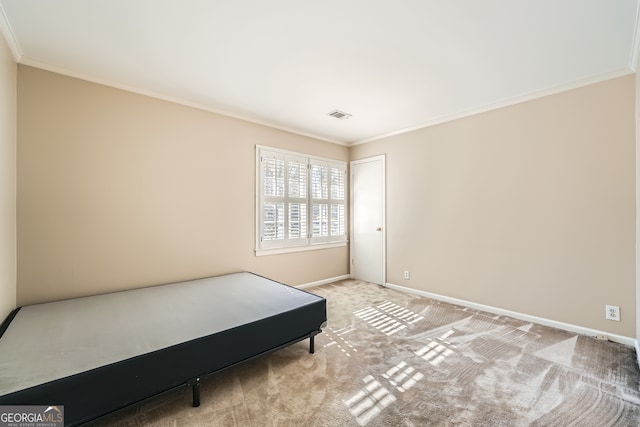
[
  {"x": 406, "y": 275},
  {"x": 612, "y": 312}
]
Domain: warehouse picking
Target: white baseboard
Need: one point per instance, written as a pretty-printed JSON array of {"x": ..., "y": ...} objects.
[
  {"x": 638, "y": 352},
  {"x": 526, "y": 317},
  {"x": 323, "y": 282}
]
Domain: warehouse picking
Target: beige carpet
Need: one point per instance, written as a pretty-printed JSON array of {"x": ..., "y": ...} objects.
[{"x": 392, "y": 359}]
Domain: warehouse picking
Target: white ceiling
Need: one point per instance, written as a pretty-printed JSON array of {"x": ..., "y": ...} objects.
[{"x": 394, "y": 65}]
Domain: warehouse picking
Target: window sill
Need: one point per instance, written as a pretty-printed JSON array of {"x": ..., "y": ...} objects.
[{"x": 318, "y": 246}]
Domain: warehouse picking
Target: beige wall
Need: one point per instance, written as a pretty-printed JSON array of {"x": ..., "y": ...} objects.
[
  {"x": 118, "y": 190},
  {"x": 637, "y": 123},
  {"x": 8, "y": 70},
  {"x": 529, "y": 208}
]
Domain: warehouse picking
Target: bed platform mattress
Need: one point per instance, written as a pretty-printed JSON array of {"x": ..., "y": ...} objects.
[{"x": 97, "y": 354}]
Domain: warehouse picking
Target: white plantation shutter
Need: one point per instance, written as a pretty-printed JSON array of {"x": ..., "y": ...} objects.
[
  {"x": 300, "y": 200},
  {"x": 272, "y": 206},
  {"x": 297, "y": 220},
  {"x": 338, "y": 183},
  {"x": 273, "y": 221},
  {"x": 328, "y": 183},
  {"x": 319, "y": 201},
  {"x": 296, "y": 199},
  {"x": 273, "y": 175},
  {"x": 337, "y": 180},
  {"x": 337, "y": 220}
]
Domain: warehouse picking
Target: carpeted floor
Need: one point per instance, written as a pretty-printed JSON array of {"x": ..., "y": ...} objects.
[{"x": 393, "y": 359}]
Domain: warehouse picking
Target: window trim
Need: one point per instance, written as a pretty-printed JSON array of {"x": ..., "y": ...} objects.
[{"x": 311, "y": 243}]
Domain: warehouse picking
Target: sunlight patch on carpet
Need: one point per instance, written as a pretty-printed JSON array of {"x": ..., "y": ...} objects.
[
  {"x": 403, "y": 376},
  {"x": 369, "y": 401},
  {"x": 400, "y": 312},
  {"x": 561, "y": 352},
  {"x": 437, "y": 350},
  {"x": 336, "y": 337},
  {"x": 388, "y": 317}
]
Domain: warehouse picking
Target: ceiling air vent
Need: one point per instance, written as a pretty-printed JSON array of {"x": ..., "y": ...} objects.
[{"x": 339, "y": 114}]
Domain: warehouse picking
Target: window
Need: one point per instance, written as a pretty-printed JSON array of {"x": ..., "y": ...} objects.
[{"x": 300, "y": 202}]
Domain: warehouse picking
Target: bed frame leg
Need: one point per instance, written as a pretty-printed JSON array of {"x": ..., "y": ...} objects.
[
  {"x": 195, "y": 385},
  {"x": 311, "y": 344}
]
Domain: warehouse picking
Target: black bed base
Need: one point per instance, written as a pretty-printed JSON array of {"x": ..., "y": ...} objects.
[
  {"x": 105, "y": 390},
  {"x": 195, "y": 382},
  {"x": 131, "y": 382}
]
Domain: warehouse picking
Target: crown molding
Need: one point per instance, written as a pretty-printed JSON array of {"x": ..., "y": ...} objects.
[
  {"x": 9, "y": 36},
  {"x": 6, "y": 29},
  {"x": 501, "y": 104},
  {"x": 432, "y": 122},
  {"x": 101, "y": 81}
]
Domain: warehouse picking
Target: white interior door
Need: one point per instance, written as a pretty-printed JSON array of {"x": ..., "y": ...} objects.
[{"x": 367, "y": 220}]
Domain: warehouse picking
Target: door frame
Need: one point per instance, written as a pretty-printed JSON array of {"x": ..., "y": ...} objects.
[{"x": 381, "y": 158}]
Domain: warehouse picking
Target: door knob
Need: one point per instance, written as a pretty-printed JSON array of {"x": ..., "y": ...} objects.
[{"x": 379, "y": 229}]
